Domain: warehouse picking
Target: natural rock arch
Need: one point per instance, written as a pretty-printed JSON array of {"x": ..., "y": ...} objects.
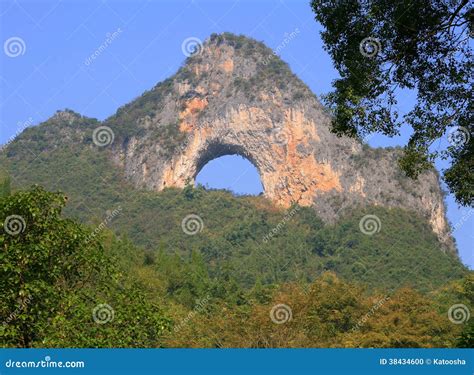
[
  {"x": 281, "y": 152},
  {"x": 235, "y": 96},
  {"x": 217, "y": 150}
]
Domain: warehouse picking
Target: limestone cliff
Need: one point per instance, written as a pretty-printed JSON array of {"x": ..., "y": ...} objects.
[{"x": 234, "y": 96}]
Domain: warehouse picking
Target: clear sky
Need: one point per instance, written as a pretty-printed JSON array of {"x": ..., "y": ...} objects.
[{"x": 48, "y": 70}]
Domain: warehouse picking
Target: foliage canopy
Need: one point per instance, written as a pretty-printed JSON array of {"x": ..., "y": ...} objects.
[{"x": 380, "y": 49}]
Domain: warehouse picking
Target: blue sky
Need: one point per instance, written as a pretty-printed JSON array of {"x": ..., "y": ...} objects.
[{"x": 56, "y": 37}]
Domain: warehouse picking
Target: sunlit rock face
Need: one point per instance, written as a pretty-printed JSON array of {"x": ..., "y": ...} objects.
[{"x": 234, "y": 96}]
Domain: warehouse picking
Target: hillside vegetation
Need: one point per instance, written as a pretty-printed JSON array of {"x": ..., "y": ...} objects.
[
  {"x": 132, "y": 250},
  {"x": 64, "y": 284},
  {"x": 243, "y": 237}
]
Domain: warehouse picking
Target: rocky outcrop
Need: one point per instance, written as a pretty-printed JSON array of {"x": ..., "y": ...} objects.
[{"x": 235, "y": 97}]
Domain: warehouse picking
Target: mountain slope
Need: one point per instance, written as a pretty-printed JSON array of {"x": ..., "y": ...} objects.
[
  {"x": 248, "y": 239},
  {"x": 234, "y": 96},
  {"x": 245, "y": 238}
]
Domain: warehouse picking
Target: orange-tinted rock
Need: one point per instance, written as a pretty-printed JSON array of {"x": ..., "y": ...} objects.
[{"x": 231, "y": 99}]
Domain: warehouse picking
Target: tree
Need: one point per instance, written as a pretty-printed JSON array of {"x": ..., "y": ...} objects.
[
  {"x": 329, "y": 312},
  {"x": 59, "y": 287},
  {"x": 382, "y": 47},
  {"x": 466, "y": 340}
]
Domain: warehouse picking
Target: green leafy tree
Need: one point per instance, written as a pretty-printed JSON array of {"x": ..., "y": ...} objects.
[
  {"x": 59, "y": 287},
  {"x": 382, "y": 47},
  {"x": 466, "y": 340},
  {"x": 467, "y": 336}
]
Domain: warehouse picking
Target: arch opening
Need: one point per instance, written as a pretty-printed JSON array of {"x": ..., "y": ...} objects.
[{"x": 231, "y": 172}]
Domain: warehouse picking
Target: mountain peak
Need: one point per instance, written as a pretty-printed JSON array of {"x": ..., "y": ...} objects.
[
  {"x": 238, "y": 42},
  {"x": 234, "y": 95},
  {"x": 238, "y": 54},
  {"x": 65, "y": 116},
  {"x": 241, "y": 69}
]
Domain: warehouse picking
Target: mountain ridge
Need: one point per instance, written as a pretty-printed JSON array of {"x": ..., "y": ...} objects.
[
  {"x": 165, "y": 136},
  {"x": 234, "y": 96}
]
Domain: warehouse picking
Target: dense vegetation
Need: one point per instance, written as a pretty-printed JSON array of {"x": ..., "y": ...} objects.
[
  {"x": 122, "y": 252},
  {"x": 57, "y": 280},
  {"x": 381, "y": 48},
  {"x": 233, "y": 240},
  {"x": 67, "y": 285},
  {"x": 124, "y": 122}
]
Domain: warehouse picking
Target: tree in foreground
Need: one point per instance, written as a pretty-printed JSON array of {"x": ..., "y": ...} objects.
[
  {"x": 382, "y": 47},
  {"x": 59, "y": 288}
]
